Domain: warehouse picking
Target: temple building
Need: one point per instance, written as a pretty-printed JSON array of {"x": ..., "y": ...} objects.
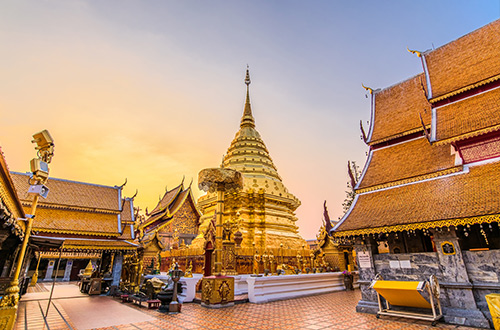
[
  {"x": 173, "y": 223},
  {"x": 427, "y": 200},
  {"x": 338, "y": 256},
  {"x": 12, "y": 228},
  {"x": 92, "y": 222},
  {"x": 264, "y": 209}
]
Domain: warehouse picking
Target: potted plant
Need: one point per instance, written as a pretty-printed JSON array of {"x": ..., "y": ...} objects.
[{"x": 348, "y": 278}]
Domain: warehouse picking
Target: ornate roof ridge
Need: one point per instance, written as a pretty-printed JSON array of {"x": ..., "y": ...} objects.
[
  {"x": 158, "y": 208},
  {"x": 410, "y": 180},
  {"x": 73, "y": 181},
  {"x": 419, "y": 225},
  {"x": 399, "y": 135},
  {"x": 75, "y": 232},
  {"x": 10, "y": 185},
  {"x": 465, "y": 89},
  {"x": 468, "y": 135},
  {"x": 27, "y": 203}
]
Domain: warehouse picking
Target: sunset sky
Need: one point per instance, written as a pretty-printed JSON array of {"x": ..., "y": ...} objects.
[{"x": 154, "y": 90}]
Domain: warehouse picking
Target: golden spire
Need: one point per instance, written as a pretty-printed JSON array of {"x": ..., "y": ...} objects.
[{"x": 247, "y": 119}]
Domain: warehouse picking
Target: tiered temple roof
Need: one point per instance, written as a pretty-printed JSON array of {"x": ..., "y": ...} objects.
[
  {"x": 81, "y": 213},
  {"x": 441, "y": 170},
  {"x": 396, "y": 110},
  {"x": 466, "y": 63},
  {"x": 176, "y": 210}
]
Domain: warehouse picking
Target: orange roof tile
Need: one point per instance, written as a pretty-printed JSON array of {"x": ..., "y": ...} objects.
[
  {"x": 397, "y": 110},
  {"x": 71, "y": 193},
  {"x": 468, "y": 115},
  {"x": 127, "y": 232},
  {"x": 465, "y": 61},
  {"x": 406, "y": 160},
  {"x": 167, "y": 198},
  {"x": 126, "y": 214},
  {"x": 74, "y": 222},
  {"x": 168, "y": 210},
  {"x": 179, "y": 200},
  {"x": 455, "y": 196}
]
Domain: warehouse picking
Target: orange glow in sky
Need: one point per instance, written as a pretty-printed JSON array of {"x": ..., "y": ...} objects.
[{"x": 154, "y": 91}]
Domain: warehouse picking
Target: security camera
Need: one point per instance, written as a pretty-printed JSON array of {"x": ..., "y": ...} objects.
[
  {"x": 39, "y": 168},
  {"x": 43, "y": 139}
]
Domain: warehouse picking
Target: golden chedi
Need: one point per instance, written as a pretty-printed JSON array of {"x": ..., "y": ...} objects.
[{"x": 264, "y": 209}]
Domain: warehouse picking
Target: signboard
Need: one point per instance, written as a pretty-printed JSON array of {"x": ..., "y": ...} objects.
[
  {"x": 364, "y": 259},
  {"x": 394, "y": 264},
  {"x": 398, "y": 264},
  {"x": 448, "y": 248},
  {"x": 71, "y": 255},
  {"x": 405, "y": 263}
]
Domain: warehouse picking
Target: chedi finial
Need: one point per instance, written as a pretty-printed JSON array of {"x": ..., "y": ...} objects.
[
  {"x": 247, "y": 120},
  {"x": 247, "y": 77}
]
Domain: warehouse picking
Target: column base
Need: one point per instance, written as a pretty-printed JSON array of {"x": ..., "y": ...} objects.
[{"x": 8, "y": 317}]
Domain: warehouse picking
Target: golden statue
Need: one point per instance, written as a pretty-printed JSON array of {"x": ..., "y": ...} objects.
[
  {"x": 189, "y": 270},
  {"x": 172, "y": 265},
  {"x": 265, "y": 261},
  {"x": 256, "y": 261},
  {"x": 272, "y": 263},
  {"x": 313, "y": 261},
  {"x": 299, "y": 262},
  {"x": 157, "y": 263},
  {"x": 89, "y": 269}
]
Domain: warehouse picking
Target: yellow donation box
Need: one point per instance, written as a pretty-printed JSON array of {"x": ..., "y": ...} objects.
[
  {"x": 408, "y": 294},
  {"x": 493, "y": 300}
]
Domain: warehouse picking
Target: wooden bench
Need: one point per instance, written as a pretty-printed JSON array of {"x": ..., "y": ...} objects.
[
  {"x": 138, "y": 299},
  {"x": 408, "y": 294},
  {"x": 154, "y": 303}
]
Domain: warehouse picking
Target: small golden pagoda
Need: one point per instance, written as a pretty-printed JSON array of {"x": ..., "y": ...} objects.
[{"x": 263, "y": 210}]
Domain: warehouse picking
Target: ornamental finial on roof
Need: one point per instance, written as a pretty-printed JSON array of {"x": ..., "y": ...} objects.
[
  {"x": 419, "y": 54},
  {"x": 367, "y": 88}
]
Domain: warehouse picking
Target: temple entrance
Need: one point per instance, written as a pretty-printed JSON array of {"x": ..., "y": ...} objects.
[
  {"x": 207, "y": 268},
  {"x": 346, "y": 259}
]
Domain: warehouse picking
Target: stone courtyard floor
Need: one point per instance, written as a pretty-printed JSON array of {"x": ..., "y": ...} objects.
[{"x": 71, "y": 310}]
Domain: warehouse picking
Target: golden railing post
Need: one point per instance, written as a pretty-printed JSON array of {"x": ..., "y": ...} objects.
[{"x": 34, "y": 279}]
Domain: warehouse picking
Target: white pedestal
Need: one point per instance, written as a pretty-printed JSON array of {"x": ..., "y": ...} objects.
[
  {"x": 189, "y": 288},
  {"x": 269, "y": 288}
]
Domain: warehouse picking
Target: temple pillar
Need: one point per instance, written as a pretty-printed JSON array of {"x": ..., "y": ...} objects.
[
  {"x": 364, "y": 257},
  {"x": 117, "y": 269},
  {"x": 457, "y": 298},
  {"x": 67, "y": 270},
  {"x": 50, "y": 270}
]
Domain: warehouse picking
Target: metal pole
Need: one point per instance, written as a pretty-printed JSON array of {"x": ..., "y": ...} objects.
[{"x": 53, "y": 283}]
